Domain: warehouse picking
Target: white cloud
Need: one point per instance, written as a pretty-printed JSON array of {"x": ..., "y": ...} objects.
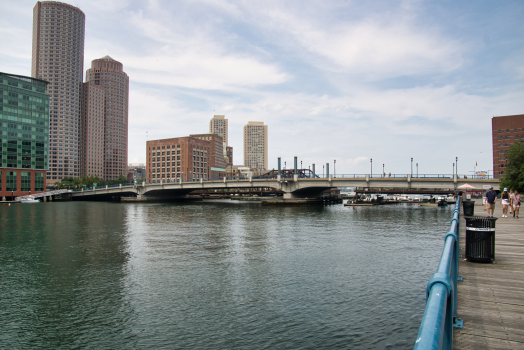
[
  {"x": 193, "y": 59},
  {"x": 377, "y": 45}
]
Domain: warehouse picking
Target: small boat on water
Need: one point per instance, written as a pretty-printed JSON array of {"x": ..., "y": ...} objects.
[
  {"x": 360, "y": 204},
  {"x": 29, "y": 200}
]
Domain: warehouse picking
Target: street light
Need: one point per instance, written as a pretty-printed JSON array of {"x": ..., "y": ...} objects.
[
  {"x": 335, "y": 168},
  {"x": 371, "y": 160},
  {"x": 383, "y": 172},
  {"x": 453, "y": 169},
  {"x": 411, "y": 166},
  {"x": 417, "y": 169},
  {"x": 456, "y": 166},
  {"x": 323, "y": 170}
]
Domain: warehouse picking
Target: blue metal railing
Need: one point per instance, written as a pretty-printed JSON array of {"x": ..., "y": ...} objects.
[{"x": 440, "y": 317}]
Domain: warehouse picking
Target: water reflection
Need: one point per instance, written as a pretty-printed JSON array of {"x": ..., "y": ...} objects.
[
  {"x": 215, "y": 275},
  {"x": 61, "y": 270}
]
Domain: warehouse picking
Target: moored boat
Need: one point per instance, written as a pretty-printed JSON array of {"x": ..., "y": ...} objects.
[{"x": 29, "y": 200}]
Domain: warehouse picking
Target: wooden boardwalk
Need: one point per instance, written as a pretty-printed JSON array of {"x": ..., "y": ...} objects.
[{"x": 491, "y": 297}]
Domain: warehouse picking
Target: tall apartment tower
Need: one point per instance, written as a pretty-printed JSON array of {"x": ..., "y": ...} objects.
[
  {"x": 92, "y": 117},
  {"x": 255, "y": 145},
  {"x": 58, "y": 57},
  {"x": 108, "y": 75},
  {"x": 218, "y": 126}
]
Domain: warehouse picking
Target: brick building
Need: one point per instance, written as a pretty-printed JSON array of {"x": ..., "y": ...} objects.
[
  {"x": 506, "y": 131},
  {"x": 185, "y": 158}
]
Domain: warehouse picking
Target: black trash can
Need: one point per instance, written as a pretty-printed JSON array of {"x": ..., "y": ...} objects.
[
  {"x": 468, "y": 208},
  {"x": 480, "y": 238}
]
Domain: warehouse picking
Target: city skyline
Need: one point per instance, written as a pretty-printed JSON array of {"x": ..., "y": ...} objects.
[{"x": 335, "y": 81}]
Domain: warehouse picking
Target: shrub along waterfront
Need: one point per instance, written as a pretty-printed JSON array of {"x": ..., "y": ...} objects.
[{"x": 87, "y": 181}]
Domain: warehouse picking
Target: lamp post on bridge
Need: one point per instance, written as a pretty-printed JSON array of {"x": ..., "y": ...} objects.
[
  {"x": 383, "y": 172},
  {"x": 411, "y": 166},
  {"x": 457, "y": 166},
  {"x": 371, "y": 160},
  {"x": 417, "y": 169},
  {"x": 335, "y": 168},
  {"x": 323, "y": 170},
  {"x": 453, "y": 169}
]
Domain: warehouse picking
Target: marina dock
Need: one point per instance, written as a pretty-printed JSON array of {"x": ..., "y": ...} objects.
[{"x": 491, "y": 297}]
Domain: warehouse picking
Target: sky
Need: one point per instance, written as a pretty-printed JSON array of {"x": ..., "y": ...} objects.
[{"x": 348, "y": 81}]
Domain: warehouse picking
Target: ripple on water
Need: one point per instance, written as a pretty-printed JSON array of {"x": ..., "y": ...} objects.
[{"x": 215, "y": 275}]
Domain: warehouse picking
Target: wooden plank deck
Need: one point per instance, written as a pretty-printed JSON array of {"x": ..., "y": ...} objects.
[{"x": 491, "y": 297}]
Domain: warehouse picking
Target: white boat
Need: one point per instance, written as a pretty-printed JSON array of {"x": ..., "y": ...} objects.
[{"x": 29, "y": 200}]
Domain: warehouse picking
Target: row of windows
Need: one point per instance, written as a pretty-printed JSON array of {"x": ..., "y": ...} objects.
[
  {"x": 508, "y": 130},
  {"x": 25, "y": 179}
]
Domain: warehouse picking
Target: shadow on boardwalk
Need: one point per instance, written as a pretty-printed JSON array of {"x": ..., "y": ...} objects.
[{"x": 491, "y": 297}]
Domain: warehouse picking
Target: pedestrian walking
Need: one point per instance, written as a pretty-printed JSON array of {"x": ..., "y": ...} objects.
[
  {"x": 491, "y": 198},
  {"x": 505, "y": 202},
  {"x": 516, "y": 204},
  {"x": 510, "y": 201}
]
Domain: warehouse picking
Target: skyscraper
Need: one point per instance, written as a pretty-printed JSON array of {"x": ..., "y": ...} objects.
[
  {"x": 108, "y": 75},
  {"x": 58, "y": 57},
  {"x": 92, "y": 117},
  {"x": 218, "y": 126},
  {"x": 255, "y": 145}
]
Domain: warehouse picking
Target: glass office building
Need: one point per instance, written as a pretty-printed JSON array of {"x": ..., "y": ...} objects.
[{"x": 24, "y": 140}]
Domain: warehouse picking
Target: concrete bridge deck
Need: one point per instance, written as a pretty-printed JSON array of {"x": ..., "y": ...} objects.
[
  {"x": 491, "y": 297},
  {"x": 292, "y": 187}
]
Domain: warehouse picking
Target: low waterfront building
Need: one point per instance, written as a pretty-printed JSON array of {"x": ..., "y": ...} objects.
[
  {"x": 506, "y": 131},
  {"x": 24, "y": 118}
]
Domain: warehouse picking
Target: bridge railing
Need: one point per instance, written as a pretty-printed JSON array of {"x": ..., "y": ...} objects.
[
  {"x": 440, "y": 316},
  {"x": 413, "y": 176}
]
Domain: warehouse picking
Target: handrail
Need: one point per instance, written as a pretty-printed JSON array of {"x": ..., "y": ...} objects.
[{"x": 440, "y": 316}]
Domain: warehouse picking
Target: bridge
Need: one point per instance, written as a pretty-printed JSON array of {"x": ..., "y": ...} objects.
[{"x": 293, "y": 187}]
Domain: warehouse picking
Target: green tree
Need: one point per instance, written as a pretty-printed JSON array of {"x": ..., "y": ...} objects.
[{"x": 513, "y": 177}]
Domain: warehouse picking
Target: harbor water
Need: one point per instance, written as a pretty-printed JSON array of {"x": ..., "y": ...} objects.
[{"x": 215, "y": 275}]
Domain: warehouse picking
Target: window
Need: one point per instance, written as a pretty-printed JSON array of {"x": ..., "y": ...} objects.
[
  {"x": 10, "y": 181},
  {"x": 25, "y": 181}
]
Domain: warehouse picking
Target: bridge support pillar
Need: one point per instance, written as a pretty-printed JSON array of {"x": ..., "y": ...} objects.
[{"x": 289, "y": 195}]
